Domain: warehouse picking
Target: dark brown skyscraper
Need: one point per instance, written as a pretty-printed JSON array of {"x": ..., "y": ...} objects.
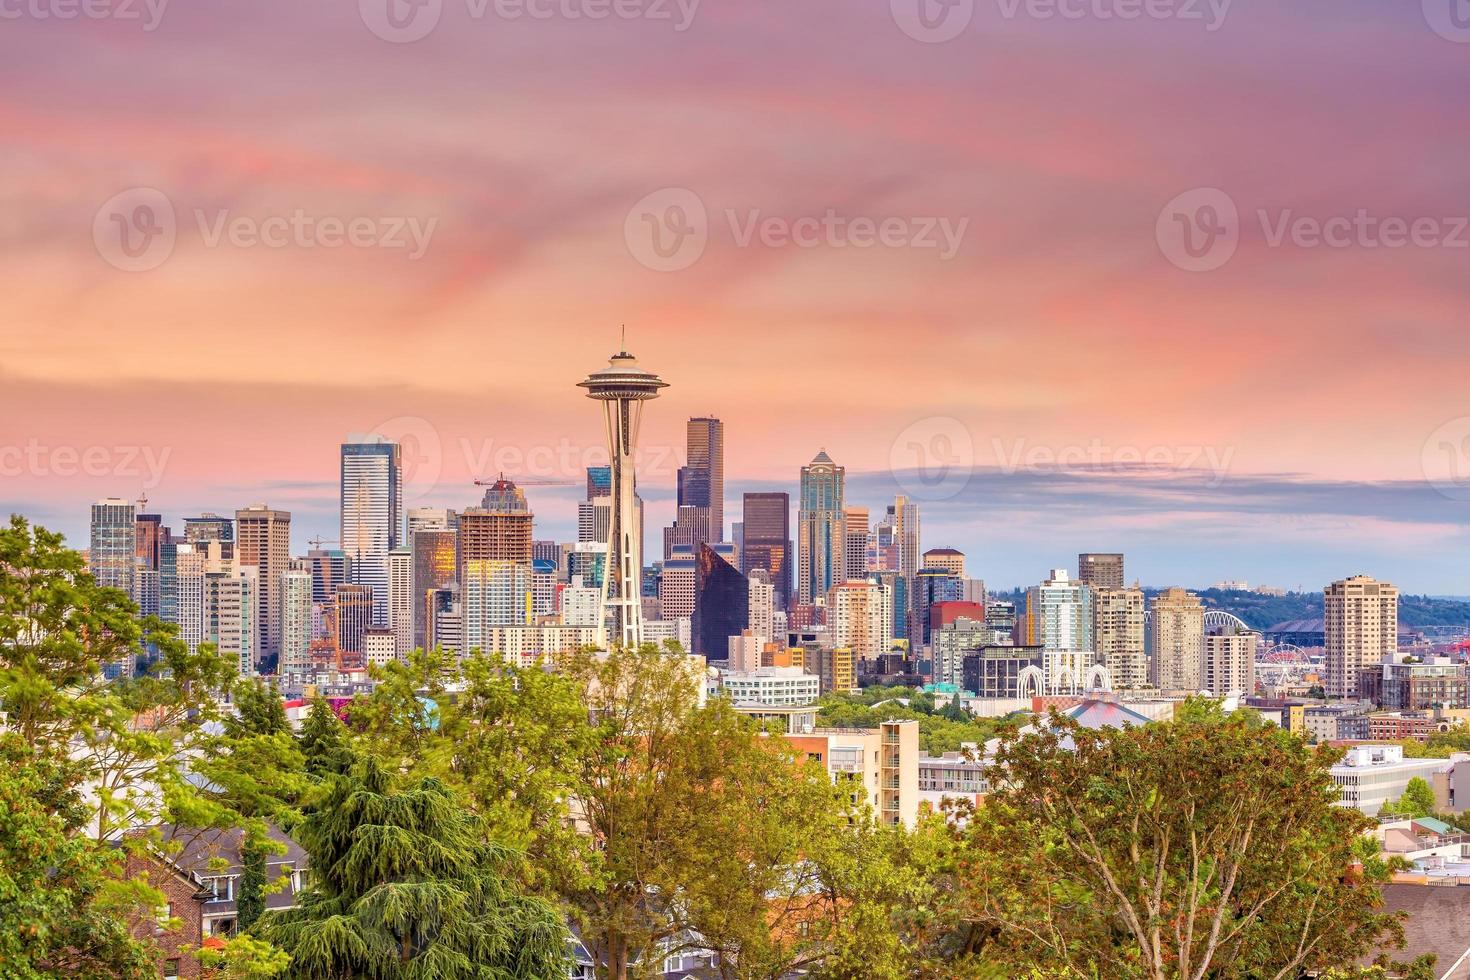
[
  {"x": 767, "y": 542},
  {"x": 702, "y": 482},
  {"x": 1101, "y": 571}
]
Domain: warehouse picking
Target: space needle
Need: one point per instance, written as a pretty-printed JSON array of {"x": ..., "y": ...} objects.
[{"x": 623, "y": 387}]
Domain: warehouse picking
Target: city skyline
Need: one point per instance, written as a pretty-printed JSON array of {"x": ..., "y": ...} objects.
[
  {"x": 555, "y": 506},
  {"x": 1325, "y": 375}
]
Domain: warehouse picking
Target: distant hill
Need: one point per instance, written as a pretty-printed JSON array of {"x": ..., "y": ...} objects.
[{"x": 1260, "y": 611}]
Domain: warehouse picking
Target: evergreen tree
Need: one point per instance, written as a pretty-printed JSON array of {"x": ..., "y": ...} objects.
[
  {"x": 405, "y": 885},
  {"x": 323, "y": 741},
  {"x": 252, "y": 884},
  {"x": 260, "y": 709}
]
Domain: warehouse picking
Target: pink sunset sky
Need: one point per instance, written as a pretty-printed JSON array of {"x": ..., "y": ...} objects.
[{"x": 1326, "y": 380}]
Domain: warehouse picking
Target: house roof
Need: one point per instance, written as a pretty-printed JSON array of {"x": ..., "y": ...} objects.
[
  {"x": 1435, "y": 826},
  {"x": 1438, "y": 922}
]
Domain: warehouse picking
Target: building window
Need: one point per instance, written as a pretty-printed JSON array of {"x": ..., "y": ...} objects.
[{"x": 171, "y": 969}]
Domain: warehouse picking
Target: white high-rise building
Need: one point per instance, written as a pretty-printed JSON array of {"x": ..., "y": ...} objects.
[
  {"x": 372, "y": 515},
  {"x": 860, "y": 618},
  {"x": 1059, "y": 619},
  {"x": 295, "y": 620},
  {"x": 762, "y": 599},
  {"x": 401, "y": 600},
  {"x": 581, "y": 605},
  {"x": 1230, "y": 663},
  {"x": 111, "y": 557},
  {"x": 191, "y": 564},
  {"x": 232, "y": 615},
  {"x": 495, "y": 593}
]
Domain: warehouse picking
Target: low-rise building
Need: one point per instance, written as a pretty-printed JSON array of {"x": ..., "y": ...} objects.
[
  {"x": 1417, "y": 725},
  {"x": 881, "y": 764},
  {"x": 1337, "y": 722},
  {"x": 1403, "y": 683},
  {"x": 1372, "y": 775},
  {"x": 786, "y": 686},
  {"x": 952, "y": 776}
]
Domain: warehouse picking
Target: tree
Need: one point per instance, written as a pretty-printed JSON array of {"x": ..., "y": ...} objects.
[
  {"x": 1417, "y": 801},
  {"x": 323, "y": 741},
  {"x": 1170, "y": 850},
  {"x": 251, "y": 903},
  {"x": 63, "y": 909},
  {"x": 404, "y": 885},
  {"x": 707, "y": 834},
  {"x": 259, "y": 709}
]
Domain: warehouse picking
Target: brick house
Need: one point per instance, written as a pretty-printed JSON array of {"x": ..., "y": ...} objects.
[{"x": 178, "y": 928}]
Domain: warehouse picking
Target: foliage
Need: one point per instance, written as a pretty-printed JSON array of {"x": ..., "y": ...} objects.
[
  {"x": 63, "y": 911},
  {"x": 1171, "y": 850},
  {"x": 251, "y": 901},
  {"x": 323, "y": 741},
  {"x": 939, "y": 732},
  {"x": 1417, "y": 801},
  {"x": 1198, "y": 709},
  {"x": 243, "y": 957},
  {"x": 405, "y": 885}
]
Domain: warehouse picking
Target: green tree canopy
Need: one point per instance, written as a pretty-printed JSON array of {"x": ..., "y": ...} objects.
[
  {"x": 1171, "y": 850},
  {"x": 1417, "y": 801},
  {"x": 404, "y": 885}
]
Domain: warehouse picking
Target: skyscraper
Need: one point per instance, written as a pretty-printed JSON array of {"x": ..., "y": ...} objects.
[
  {"x": 701, "y": 483},
  {"x": 500, "y": 529},
  {"x": 861, "y": 618},
  {"x": 401, "y": 601},
  {"x": 820, "y": 529},
  {"x": 1059, "y": 619},
  {"x": 1119, "y": 634},
  {"x": 721, "y": 602},
  {"x": 1230, "y": 662},
  {"x": 903, "y": 514},
  {"x": 623, "y": 387},
  {"x": 1176, "y": 633},
  {"x": 372, "y": 515},
  {"x": 434, "y": 568},
  {"x": 766, "y": 542},
  {"x": 112, "y": 556},
  {"x": 295, "y": 619},
  {"x": 1101, "y": 571},
  {"x": 1360, "y": 623},
  {"x": 855, "y": 543},
  {"x": 265, "y": 544}
]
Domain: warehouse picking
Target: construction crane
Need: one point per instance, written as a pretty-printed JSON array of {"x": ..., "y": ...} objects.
[
  {"x": 529, "y": 482},
  {"x": 318, "y": 541}
]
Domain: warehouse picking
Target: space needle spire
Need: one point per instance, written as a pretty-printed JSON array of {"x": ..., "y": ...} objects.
[{"x": 623, "y": 387}]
